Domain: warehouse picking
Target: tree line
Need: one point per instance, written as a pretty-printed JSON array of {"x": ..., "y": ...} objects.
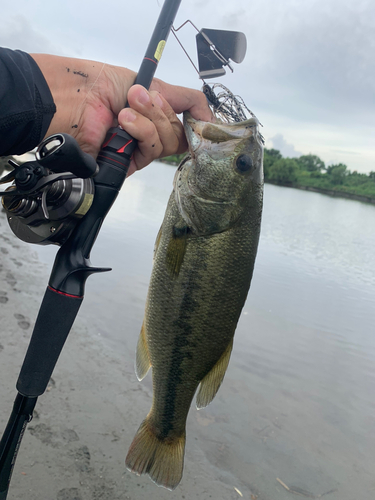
[{"x": 309, "y": 171}]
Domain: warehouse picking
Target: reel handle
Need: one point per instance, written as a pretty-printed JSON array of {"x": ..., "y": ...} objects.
[{"x": 61, "y": 153}]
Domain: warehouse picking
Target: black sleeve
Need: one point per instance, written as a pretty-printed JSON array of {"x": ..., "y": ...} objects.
[{"x": 26, "y": 103}]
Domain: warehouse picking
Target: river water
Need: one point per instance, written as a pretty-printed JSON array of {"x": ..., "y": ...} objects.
[{"x": 298, "y": 400}]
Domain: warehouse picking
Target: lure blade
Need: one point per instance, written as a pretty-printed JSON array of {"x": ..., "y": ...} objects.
[{"x": 216, "y": 48}]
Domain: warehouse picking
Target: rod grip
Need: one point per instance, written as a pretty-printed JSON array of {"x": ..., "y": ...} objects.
[
  {"x": 117, "y": 149},
  {"x": 55, "y": 319}
]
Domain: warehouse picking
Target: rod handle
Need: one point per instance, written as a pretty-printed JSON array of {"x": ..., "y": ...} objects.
[{"x": 55, "y": 319}]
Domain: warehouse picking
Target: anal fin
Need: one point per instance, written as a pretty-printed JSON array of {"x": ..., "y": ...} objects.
[
  {"x": 142, "y": 360},
  {"x": 212, "y": 381}
]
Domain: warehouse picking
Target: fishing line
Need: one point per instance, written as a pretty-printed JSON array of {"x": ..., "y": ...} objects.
[{"x": 92, "y": 86}]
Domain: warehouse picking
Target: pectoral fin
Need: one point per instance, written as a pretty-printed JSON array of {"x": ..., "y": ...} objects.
[
  {"x": 142, "y": 360},
  {"x": 176, "y": 249},
  {"x": 211, "y": 382}
]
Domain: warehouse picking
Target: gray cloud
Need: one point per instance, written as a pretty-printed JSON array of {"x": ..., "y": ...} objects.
[
  {"x": 316, "y": 58},
  {"x": 285, "y": 148},
  {"x": 17, "y": 33}
]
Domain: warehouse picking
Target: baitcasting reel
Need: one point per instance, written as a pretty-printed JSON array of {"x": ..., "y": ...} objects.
[{"x": 49, "y": 195}]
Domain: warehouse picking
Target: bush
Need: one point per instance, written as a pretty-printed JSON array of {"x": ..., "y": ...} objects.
[
  {"x": 311, "y": 163},
  {"x": 283, "y": 171},
  {"x": 310, "y": 171}
]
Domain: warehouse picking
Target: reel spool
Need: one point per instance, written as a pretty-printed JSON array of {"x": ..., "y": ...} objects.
[{"x": 48, "y": 196}]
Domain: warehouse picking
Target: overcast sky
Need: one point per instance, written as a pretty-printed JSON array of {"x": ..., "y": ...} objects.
[{"x": 309, "y": 71}]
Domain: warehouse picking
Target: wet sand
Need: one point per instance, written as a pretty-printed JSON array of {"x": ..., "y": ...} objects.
[{"x": 75, "y": 446}]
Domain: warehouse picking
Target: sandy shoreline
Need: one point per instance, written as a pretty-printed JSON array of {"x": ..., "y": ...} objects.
[{"x": 75, "y": 446}]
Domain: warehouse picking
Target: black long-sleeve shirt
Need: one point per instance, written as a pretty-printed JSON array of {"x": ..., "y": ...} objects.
[{"x": 26, "y": 103}]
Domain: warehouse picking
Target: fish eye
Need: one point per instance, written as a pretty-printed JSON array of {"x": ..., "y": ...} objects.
[{"x": 244, "y": 163}]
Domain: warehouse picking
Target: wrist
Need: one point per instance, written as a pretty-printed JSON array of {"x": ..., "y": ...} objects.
[
  {"x": 75, "y": 82},
  {"x": 64, "y": 82}
]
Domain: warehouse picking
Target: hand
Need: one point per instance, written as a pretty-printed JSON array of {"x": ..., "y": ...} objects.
[
  {"x": 151, "y": 119},
  {"x": 89, "y": 97}
]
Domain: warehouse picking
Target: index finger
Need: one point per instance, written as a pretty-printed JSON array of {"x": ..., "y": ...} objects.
[{"x": 184, "y": 99}]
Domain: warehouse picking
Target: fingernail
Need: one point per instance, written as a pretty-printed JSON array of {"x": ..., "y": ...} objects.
[
  {"x": 128, "y": 115},
  {"x": 143, "y": 97},
  {"x": 158, "y": 100}
]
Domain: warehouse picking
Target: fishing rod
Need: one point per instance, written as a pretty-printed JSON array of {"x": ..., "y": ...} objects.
[{"x": 63, "y": 197}]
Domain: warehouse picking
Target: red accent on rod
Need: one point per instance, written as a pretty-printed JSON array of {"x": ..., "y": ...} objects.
[
  {"x": 101, "y": 156},
  {"x": 121, "y": 150},
  {"x": 148, "y": 59},
  {"x": 109, "y": 140},
  {"x": 66, "y": 294}
]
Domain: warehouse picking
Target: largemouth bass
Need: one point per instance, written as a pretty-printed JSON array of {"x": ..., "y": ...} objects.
[{"x": 203, "y": 263}]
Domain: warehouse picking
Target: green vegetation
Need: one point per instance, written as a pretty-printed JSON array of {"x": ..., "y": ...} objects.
[
  {"x": 310, "y": 172},
  {"x": 173, "y": 159}
]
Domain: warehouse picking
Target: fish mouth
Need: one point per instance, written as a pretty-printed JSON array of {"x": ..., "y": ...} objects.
[{"x": 217, "y": 135}]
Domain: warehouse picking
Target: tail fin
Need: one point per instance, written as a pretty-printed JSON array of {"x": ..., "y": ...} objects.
[{"x": 162, "y": 460}]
